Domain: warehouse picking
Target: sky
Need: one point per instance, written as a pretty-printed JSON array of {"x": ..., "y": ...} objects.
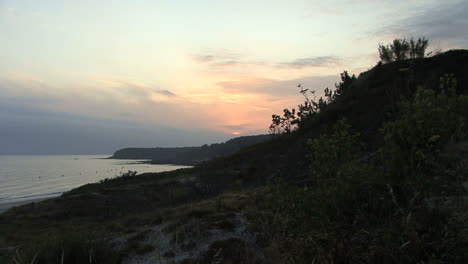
[{"x": 90, "y": 77}]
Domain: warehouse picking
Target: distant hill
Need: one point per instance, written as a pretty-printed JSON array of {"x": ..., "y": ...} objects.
[{"x": 189, "y": 155}]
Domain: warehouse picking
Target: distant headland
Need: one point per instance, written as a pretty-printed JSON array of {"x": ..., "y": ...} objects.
[{"x": 190, "y": 155}]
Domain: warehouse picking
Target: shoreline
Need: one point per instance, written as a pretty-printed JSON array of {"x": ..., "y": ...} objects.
[{"x": 6, "y": 206}]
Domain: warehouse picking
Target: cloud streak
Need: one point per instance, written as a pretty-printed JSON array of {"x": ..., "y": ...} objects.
[
  {"x": 319, "y": 61},
  {"x": 217, "y": 61},
  {"x": 218, "y": 58},
  {"x": 225, "y": 103},
  {"x": 134, "y": 88},
  {"x": 203, "y": 58},
  {"x": 127, "y": 100}
]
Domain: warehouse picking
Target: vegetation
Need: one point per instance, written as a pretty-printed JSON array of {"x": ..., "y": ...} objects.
[
  {"x": 415, "y": 144},
  {"x": 68, "y": 247},
  {"x": 371, "y": 172},
  {"x": 310, "y": 108},
  {"x": 122, "y": 177},
  {"x": 402, "y": 203},
  {"x": 402, "y": 49},
  {"x": 353, "y": 210}
]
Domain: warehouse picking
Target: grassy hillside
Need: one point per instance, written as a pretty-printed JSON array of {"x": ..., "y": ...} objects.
[
  {"x": 374, "y": 98},
  {"x": 376, "y": 176}
]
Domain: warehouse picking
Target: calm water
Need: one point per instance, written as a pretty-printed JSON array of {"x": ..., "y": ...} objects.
[{"x": 31, "y": 177}]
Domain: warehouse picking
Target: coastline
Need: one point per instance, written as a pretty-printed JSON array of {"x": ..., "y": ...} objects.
[
  {"x": 49, "y": 176},
  {"x": 5, "y": 206}
]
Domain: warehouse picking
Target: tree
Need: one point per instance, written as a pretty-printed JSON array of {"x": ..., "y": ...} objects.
[
  {"x": 311, "y": 107},
  {"x": 418, "y": 48},
  {"x": 284, "y": 124},
  {"x": 402, "y": 49},
  {"x": 343, "y": 86}
]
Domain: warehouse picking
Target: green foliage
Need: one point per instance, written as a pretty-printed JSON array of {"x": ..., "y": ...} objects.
[
  {"x": 402, "y": 49},
  {"x": 415, "y": 142},
  {"x": 315, "y": 223},
  {"x": 340, "y": 146},
  {"x": 358, "y": 208}
]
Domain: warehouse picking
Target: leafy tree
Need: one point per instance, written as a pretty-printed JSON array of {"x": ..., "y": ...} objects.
[
  {"x": 343, "y": 86},
  {"x": 275, "y": 127},
  {"x": 418, "y": 48},
  {"x": 311, "y": 106},
  {"x": 283, "y": 124},
  {"x": 386, "y": 54},
  {"x": 307, "y": 108},
  {"x": 402, "y": 49}
]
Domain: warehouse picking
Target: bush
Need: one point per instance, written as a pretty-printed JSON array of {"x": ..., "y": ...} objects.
[
  {"x": 415, "y": 143},
  {"x": 311, "y": 107},
  {"x": 334, "y": 154},
  {"x": 359, "y": 209},
  {"x": 122, "y": 177},
  {"x": 323, "y": 222},
  {"x": 402, "y": 49}
]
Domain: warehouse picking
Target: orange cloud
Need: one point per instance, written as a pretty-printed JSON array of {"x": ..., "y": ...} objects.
[{"x": 233, "y": 104}]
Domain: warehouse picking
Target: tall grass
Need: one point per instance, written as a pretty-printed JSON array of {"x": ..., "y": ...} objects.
[{"x": 66, "y": 248}]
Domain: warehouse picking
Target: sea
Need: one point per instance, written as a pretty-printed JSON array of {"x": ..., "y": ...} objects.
[{"x": 24, "y": 178}]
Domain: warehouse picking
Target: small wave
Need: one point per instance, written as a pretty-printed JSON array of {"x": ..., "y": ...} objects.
[{"x": 137, "y": 162}]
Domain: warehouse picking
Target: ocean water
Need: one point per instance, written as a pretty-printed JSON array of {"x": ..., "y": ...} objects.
[{"x": 34, "y": 177}]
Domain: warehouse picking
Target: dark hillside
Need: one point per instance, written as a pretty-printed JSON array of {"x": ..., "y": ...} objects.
[{"x": 371, "y": 100}]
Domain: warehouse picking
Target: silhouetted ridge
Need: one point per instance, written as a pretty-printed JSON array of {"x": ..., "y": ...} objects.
[
  {"x": 371, "y": 100},
  {"x": 189, "y": 155}
]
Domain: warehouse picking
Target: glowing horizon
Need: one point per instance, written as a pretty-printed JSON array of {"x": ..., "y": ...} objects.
[{"x": 200, "y": 65}]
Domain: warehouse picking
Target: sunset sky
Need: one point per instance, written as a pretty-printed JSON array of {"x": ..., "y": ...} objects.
[{"x": 93, "y": 76}]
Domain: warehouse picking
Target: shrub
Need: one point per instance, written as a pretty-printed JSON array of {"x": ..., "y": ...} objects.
[
  {"x": 402, "y": 49},
  {"x": 121, "y": 177},
  {"x": 334, "y": 154},
  {"x": 355, "y": 210},
  {"x": 311, "y": 106},
  {"x": 414, "y": 144}
]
